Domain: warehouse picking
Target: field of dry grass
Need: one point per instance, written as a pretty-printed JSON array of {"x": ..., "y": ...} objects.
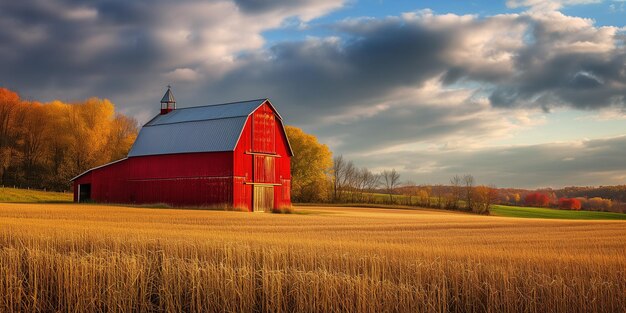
[{"x": 66, "y": 257}]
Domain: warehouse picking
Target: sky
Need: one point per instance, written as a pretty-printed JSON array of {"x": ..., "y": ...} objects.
[{"x": 518, "y": 93}]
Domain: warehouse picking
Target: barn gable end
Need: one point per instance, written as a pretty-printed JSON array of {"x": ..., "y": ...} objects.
[{"x": 262, "y": 159}]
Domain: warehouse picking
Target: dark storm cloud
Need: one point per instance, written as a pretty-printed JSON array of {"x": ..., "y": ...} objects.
[
  {"x": 579, "y": 80},
  {"x": 117, "y": 47},
  {"x": 582, "y": 67},
  {"x": 329, "y": 77},
  {"x": 566, "y": 62},
  {"x": 259, "y": 6},
  {"x": 593, "y": 162},
  {"x": 120, "y": 49},
  {"x": 78, "y": 50},
  {"x": 514, "y": 61},
  {"x": 427, "y": 122},
  {"x": 126, "y": 12}
]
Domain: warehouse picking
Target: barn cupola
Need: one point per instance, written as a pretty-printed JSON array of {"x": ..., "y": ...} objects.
[{"x": 168, "y": 103}]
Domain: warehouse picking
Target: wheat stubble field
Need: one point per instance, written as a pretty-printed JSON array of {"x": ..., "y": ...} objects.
[{"x": 66, "y": 257}]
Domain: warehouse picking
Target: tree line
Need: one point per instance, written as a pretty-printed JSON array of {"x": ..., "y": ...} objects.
[
  {"x": 44, "y": 145},
  {"x": 615, "y": 193},
  {"x": 543, "y": 198},
  {"x": 317, "y": 176}
]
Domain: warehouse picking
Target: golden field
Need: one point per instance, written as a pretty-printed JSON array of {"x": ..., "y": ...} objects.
[{"x": 90, "y": 258}]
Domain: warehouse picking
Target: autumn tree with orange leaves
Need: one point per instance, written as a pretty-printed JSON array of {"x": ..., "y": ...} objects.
[
  {"x": 484, "y": 198},
  {"x": 44, "y": 145},
  {"x": 569, "y": 204},
  {"x": 537, "y": 199},
  {"x": 310, "y": 166}
]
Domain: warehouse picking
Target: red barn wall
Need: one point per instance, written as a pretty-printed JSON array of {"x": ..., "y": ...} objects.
[
  {"x": 262, "y": 133},
  {"x": 178, "y": 179},
  {"x": 264, "y": 129},
  {"x": 282, "y": 193},
  {"x": 242, "y": 160}
]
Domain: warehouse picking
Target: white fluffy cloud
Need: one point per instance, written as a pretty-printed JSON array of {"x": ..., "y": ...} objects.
[{"x": 547, "y": 5}]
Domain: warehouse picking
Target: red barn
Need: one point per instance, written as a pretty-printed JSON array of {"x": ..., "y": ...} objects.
[{"x": 232, "y": 154}]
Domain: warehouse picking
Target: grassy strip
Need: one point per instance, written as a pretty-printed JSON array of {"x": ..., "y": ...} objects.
[
  {"x": 33, "y": 196},
  {"x": 496, "y": 210},
  {"x": 526, "y": 212}
]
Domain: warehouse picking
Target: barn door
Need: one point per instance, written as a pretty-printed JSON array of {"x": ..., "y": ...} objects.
[
  {"x": 263, "y": 198},
  {"x": 84, "y": 193}
]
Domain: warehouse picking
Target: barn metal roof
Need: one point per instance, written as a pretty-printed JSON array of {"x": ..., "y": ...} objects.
[
  {"x": 209, "y": 128},
  {"x": 207, "y": 112},
  {"x": 186, "y": 137}
]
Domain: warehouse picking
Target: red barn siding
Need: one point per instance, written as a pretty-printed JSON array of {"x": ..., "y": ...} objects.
[
  {"x": 282, "y": 194},
  {"x": 265, "y": 169},
  {"x": 242, "y": 167},
  {"x": 263, "y": 130},
  {"x": 179, "y": 179},
  {"x": 252, "y": 168}
]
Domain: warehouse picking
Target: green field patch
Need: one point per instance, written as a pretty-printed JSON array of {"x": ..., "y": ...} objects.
[
  {"x": 33, "y": 196},
  {"x": 529, "y": 212}
]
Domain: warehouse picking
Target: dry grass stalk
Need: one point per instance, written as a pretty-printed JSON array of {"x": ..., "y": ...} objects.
[{"x": 114, "y": 259}]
